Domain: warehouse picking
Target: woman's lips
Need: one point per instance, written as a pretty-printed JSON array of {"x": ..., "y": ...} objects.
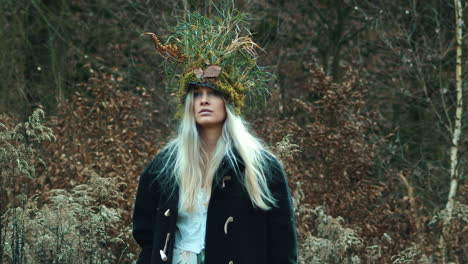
[{"x": 205, "y": 111}]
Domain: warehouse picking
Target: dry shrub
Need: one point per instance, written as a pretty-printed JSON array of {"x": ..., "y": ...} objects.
[
  {"x": 456, "y": 238},
  {"x": 82, "y": 225},
  {"x": 329, "y": 241},
  {"x": 411, "y": 255},
  {"x": 76, "y": 226},
  {"x": 285, "y": 149},
  {"x": 18, "y": 154}
]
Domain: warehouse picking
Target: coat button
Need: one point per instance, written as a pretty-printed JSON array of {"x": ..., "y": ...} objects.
[
  {"x": 231, "y": 262},
  {"x": 168, "y": 212}
]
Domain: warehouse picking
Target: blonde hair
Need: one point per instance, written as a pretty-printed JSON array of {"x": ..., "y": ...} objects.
[{"x": 189, "y": 167}]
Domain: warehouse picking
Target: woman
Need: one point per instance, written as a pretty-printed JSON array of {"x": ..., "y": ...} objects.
[{"x": 214, "y": 194}]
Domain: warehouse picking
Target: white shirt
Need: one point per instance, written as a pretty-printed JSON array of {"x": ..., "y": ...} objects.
[{"x": 191, "y": 227}]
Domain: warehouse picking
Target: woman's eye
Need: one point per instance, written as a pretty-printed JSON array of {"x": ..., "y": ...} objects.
[
  {"x": 195, "y": 94},
  {"x": 215, "y": 93}
]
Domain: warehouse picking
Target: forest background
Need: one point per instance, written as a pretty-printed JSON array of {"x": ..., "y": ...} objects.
[{"x": 367, "y": 112}]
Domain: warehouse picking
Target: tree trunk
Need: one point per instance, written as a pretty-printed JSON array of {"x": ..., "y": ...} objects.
[{"x": 456, "y": 131}]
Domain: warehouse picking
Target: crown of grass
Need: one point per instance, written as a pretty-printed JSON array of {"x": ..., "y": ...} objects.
[{"x": 223, "y": 41}]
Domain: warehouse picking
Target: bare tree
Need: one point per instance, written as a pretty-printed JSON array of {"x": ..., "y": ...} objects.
[{"x": 456, "y": 130}]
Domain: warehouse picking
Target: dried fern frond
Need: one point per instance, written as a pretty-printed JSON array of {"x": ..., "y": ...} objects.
[{"x": 170, "y": 51}]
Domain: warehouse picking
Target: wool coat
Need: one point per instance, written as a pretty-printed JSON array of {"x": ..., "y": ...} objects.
[{"x": 236, "y": 231}]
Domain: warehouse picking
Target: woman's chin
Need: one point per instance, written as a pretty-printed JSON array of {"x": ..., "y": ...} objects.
[{"x": 207, "y": 123}]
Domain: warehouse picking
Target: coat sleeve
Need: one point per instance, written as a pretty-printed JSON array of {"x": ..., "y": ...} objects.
[
  {"x": 281, "y": 222},
  {"x": 144, "y": 213}
]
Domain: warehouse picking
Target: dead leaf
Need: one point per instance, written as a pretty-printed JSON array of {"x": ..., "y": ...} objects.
[
  {"x": 198, "y": 72},
  {"x": 212, "y": 71}
]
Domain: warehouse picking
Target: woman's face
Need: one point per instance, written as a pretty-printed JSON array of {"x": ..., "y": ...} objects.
[{"x": 208, "y": 107}]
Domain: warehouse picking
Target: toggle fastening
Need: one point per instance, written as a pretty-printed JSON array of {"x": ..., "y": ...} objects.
[
  {"x": 225, "y": 178},
  {"x": 168, "y": 212},
  {"x": 229, "y": 220},
  {"x": 163, "y": 252}
]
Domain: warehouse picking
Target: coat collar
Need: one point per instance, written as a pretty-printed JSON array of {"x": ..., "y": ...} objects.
[{"x": 236, "y": 165}]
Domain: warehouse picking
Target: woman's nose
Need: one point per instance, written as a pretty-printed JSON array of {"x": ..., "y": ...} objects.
[{"x": 204, "y": 98}]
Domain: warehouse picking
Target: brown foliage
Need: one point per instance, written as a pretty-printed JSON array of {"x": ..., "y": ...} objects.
[
  {"x": 336, "y": 164},
  {"x": 103, "y": 130}
]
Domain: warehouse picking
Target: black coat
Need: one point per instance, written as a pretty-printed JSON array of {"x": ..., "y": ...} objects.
[{"x": 236, "y": 232}]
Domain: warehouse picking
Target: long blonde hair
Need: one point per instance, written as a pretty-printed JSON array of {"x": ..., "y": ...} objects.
[{"x": 191, "y": 170}]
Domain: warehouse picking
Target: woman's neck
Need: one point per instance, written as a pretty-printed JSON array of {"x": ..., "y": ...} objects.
[{"x": 210, "y": 137}]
